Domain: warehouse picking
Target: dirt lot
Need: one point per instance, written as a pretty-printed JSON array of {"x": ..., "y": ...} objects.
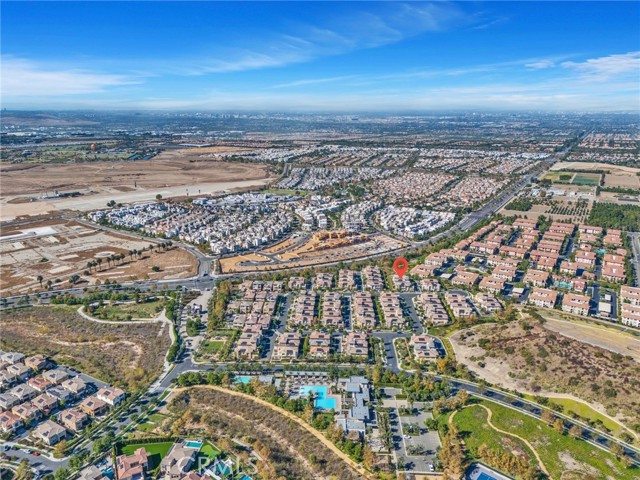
[
  {"x": 537, "y": 360},
  {"x": 622, "y": 181},
  {"x": 311, "y": 253},
  {"x": 128, "y": 355},
  {"x": 169, "y": 174},
  {"x": 593, "y": 334},
  {"x": 60, "y": 248}
]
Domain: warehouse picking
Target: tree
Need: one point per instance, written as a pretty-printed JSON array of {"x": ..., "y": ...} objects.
[
  {"x": 24, "y": 472},
  {"x": 39, "y": 278},
  {"x": 576, "y": 431},
  {"x": 60, "y": 449},
  {"x": 158, "y": 197},
  {"x": 558, "y": 425},
  {"x": 617, "y": 450},
  {"x": 547, "y": 416},
  {"x": 74, "y": 279},
  {"x": 61, "y": 474},
  {"x": 155, "y": 268}
]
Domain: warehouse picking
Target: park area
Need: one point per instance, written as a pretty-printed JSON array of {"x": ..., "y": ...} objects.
[{"x": 490, "y": 431}]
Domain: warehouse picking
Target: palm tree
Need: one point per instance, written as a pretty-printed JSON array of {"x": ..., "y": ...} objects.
[
  {"x": 99, "y": 263},
  {"x": 49, "y": 283},
  {"x": 89, "y": 265},
  {"x": 39, "y": 278},
  {"x": 131, "y": 254}
]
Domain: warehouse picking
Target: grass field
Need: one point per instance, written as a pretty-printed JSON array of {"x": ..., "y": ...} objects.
[
  {"x": 156, "y": 451},
  {"x": 212, "y": 347},
  {"x": 561, "y": 454},
  {"x": 584, "y": 411},
  {"x": 586, "y": 179}
]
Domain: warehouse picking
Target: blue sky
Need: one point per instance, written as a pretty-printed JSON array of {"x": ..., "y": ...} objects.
[{"x": 333, "y": 56}]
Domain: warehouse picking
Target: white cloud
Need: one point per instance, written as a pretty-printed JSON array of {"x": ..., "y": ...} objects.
[
  {"x": 603, "y": 68},
  {"x": 541, "y": 64},
  {"x": 354, "y": 31},
  {"x": 20, "y": 78}
]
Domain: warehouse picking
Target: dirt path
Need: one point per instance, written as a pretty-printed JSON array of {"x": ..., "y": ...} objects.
[
  {"x": 325, "y": 441},
  {"x": 523, "y": 440}
]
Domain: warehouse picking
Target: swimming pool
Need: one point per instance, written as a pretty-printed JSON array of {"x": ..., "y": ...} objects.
[
  {"x": 195, "y": 444},
  {"x": 321, "y": 400},
  {"x": 485, "y": 476},
  {"x": 601, "y": 251},
  {"x": 242, "y": 379}
]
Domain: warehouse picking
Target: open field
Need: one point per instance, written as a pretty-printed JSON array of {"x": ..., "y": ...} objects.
[
  {"x": 593, "y": 333},
  {"x": 128, "y": 355},
  {"x": 564, "y": 457},
  {"x": 319, "y": 249},
  {"x": 287, "y": 438},
  {"x": 617, "y": 169},
  {"x": 56, "y": 248},
  {"x": 586, "y": 179},
  {"x": 622, "y": 181},
  {"x": 534, "y": 359},
  {"x": 169, "y": 174}
]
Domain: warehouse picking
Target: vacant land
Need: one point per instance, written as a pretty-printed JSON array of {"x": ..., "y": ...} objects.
[
  {"x": 320, "y": 249},
  {"x": 172, "y": 174},
  {"x": 622, "y": 181},
  {"x": 269, "y": 430},
  {"x": 129, "y": 355},
  {"x": 57, "y": 248},
  {"x": 593, "y": 333},
  {"x": 533, "y": 359},
  {"x": 618, "y": 169},
  {"x": 563, "y": 456}
]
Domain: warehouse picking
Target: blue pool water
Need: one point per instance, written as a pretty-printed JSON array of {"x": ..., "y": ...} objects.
[
  {"x": 196, "y": 444},
  {"x": 242, "y": 379},
  {"x": 222, "y": 469},
  {"x": 321, "y": 396},
  {"x": 485, "y": 476},
  {"x": 563, "y": 284},
  {"x": 601, "y": 251}
]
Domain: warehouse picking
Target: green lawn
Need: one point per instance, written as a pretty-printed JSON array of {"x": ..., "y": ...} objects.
[
  {"x": 156, "y": 451},
  {"x": 584, "y": 411},
  {"x": 586, "y": 179},
  {"x": 212, "y": 346},
  {"x": 209, "y": 450},
  {"x": 557, "y": 451},
  {"x": 473, "y": 427}
]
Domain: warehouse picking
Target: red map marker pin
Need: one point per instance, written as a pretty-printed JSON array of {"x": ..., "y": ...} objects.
[{"x": 400, "y": 266}]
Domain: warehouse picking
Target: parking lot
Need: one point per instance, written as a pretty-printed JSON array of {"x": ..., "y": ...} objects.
[{"x": 413, "y": 443}]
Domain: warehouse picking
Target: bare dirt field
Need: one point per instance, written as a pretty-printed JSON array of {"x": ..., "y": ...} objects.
[
  {"x": 622, "y": 181},
  {"x": 315, "y": 251},
  {"x": 540, "y": 361},
  {"x": 128, "y": 355},
  {"x": 57, "y": 248},
  {"x": 594, "y": 334},
  {"x": 169, "y": 174}
]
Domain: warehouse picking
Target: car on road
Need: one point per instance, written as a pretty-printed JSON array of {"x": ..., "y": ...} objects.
[{"x": 406, "y": 437}]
